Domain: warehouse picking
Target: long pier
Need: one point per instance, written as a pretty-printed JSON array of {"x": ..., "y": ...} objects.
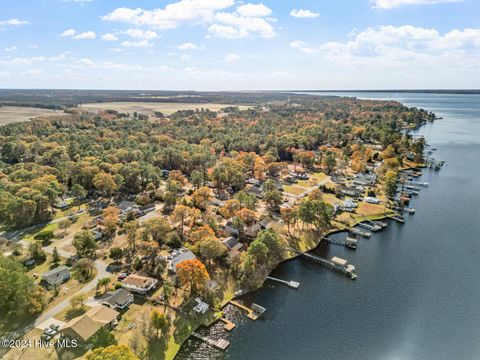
[
  {"x": 348, "y": 270},
  {"x": 292, "y": 284},
  {"x": 349, "y": 242},
  {"x": 219, "y": 344}
]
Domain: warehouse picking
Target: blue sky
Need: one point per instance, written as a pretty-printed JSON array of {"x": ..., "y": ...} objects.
[{"x": 240, "y": 45}]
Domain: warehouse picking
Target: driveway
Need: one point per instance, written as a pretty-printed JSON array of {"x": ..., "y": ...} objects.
[{"x": 101, "y": 273}]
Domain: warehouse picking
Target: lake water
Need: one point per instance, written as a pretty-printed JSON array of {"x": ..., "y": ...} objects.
[{"x": 417, "y": 296}]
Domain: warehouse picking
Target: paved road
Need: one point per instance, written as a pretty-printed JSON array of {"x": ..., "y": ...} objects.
[{"x": 101, "y": 273}]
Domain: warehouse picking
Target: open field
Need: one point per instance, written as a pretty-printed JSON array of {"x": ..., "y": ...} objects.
[
  {"x": 149, "y": 108},
  {"x": 12, "y": 114}
]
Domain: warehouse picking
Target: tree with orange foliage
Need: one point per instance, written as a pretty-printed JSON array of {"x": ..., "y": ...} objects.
[
  {"x": 202, "y": 232},
  {"x": 259, "y": 169},
  {"x": 230, "y": 208},
  {"x": 247, "y": 216},
  {"x": 200, "y": 197},
  {"x": 176, "y": 175},
  {"x": 193, "y": 273}
]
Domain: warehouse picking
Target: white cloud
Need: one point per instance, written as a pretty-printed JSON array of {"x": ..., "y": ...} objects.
[
  {"x": 87, "y": 35},
  {"x": 403, "y": 46},
  {"x": 303, "y": 47},
  {"x": 13, "y": 22},
  {"x": 185, "y": 57},
  {"x": 301, "y": 13},
  {"x": 74, "y": 34},
  {"x": 116, "y": 49},
  {"x": 390, "y": 4},
  {"x": 12, "y": 48},
  {"x": 109, "y": 37},
  {"x": 232, "y": 57},
  {"x": 188, "y": 46},
  {"x": 4, "y": 73},
  {"x": 69, "y": 33},
  {"x": 248, "y": 20},
  {"x": 139, "y": 44},
  {"x": 254, "y": 10},
  {"x": 141, "y": 34},
  {"x": 235, "y": 26},
  {"x": 172, "y": 15}
]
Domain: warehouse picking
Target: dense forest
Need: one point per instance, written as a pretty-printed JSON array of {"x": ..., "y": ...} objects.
[{"x": 107, "y": 153}]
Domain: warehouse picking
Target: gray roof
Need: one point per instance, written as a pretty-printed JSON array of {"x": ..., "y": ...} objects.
[
  {"x": 231, "y": 230},
  {"x": 230, "y": 242},
  {"x": 147, "y": 207},
  {"x": 255, "y": 190},
  {"x": 57, "y": 275},
  {"x": 117, "y": 298},
  {"x": 125, "y": 205},
  {"x": 187, "y": 255}
]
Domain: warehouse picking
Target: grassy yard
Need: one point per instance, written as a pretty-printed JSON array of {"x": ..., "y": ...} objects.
[{"x": 294, "y": 190}]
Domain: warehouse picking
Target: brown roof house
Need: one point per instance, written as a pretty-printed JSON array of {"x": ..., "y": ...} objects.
[
  {"x": 85, "y": 326},
  {"x": 139, "y": 284}
]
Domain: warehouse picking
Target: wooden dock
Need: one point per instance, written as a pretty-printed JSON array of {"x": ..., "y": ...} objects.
[
  {"x": 219, "y": 344},
  {"x": 347, "y": 243},
  {"x": 229, "y": 326},
  {"x": 250, "y": 313},
  {"x": 292, "y": 284},
  {"x": 347, "y": 270}
]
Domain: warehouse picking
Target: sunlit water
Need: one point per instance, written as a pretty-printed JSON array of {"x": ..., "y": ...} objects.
[{"x": 418, "y": 292}]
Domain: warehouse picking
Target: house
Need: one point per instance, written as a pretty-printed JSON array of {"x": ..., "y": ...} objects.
[
  {"x": 56, "y": 276},
  {"x": 371, "y": 200},
  {"x": 177, "y": 259},
  {"x": 118, "y": 299},
  {"x": 253, "y": 181},
  {"x": 252, "y": 231},
  {"x": 232, "y": 244},
  {"x": 254, "y": 190},
  {"x": 265, "y": 222},
  {"x": 217, "y": 202},
  {"x": 83, "y": 327},
  {"x": 147, "y": 208},
  {"x": 127, "y": 206},
  {"x": 97, "y": 234},
  {"x": 201, "y": 307},
  {"x": 230, "y": 231},
  {"x": 139, "y": 284},
  {"x": 365, "y": 179},
  {"x": 349, "y": 191},
  {"x": 349, "y": 205}
]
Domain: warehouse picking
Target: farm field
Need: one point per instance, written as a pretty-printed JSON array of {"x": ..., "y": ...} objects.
[
  {"x": 12, "y": 114},
  {"x": 150, "y": 108}
]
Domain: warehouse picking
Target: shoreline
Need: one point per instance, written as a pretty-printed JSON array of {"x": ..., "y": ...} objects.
[{"x": 292, "y": 256}]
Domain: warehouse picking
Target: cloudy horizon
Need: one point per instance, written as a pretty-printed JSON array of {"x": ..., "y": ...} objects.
[{"x": 237, "y": 45}]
